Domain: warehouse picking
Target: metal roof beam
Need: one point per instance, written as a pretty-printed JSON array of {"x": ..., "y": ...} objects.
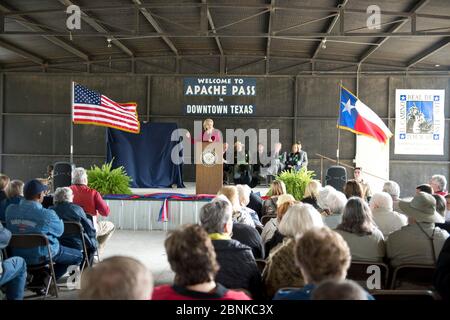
[
  {"x": 97, "y": 26},
  {"x": 428, "y": 52},
  {"x": 29, "y": 24},
  {"x": 21, "y": 52},
  {"x": 417, "y": 6},
  {"x": 330, "y": 28},
  {"x": 146, "y": 13},
  {"x": 213, "y": 28},
  {"x": 269, "y": 31}
]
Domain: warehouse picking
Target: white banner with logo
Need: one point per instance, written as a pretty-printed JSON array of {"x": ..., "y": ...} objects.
[{"x": 419, "y": 121}]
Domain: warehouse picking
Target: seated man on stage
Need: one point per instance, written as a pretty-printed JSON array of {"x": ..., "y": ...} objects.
[{"x": 242, "y": 170}]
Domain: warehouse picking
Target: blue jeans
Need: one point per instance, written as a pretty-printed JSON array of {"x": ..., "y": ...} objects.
[
  {"x": 65, "y": 258},
  {"x": 14, "y": 276}
]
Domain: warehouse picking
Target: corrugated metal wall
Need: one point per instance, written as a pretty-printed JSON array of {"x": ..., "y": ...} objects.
[{"x": 35, "y": 117}]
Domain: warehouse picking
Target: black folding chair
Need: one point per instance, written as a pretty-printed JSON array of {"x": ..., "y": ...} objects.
[
  {"x": 360, "y": 273},
  {"x": 74, "y": 227},
  {"x": 413, "y": 276},
  {"x": 30, "y": 241},
  {"x": 403, "y": 295}
]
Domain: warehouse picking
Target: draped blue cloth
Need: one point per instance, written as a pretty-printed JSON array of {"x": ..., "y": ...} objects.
[{"x": 146, "y": 156}]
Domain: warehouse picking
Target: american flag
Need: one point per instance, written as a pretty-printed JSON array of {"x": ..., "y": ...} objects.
[{"x": 90, "y": 107}]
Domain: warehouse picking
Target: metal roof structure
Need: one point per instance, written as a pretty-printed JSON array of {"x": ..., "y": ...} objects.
[{"x": 269, "y": 37}]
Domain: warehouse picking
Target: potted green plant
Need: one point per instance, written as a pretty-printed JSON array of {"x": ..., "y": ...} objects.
[
  {"x": 296, "y": 181},
  {"x": 109, "y": 181}
]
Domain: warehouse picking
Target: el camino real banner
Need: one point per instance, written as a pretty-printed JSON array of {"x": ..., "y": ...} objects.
[
  {"x": 420, "y": 121},
  {"x": 222, "y": 88}
]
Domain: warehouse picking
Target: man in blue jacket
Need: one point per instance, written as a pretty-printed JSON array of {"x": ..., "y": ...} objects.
[
  {"x": 13, "y": 271},
  {"x": 70, "y": 212},
  {"x": 29, "y": 217}
]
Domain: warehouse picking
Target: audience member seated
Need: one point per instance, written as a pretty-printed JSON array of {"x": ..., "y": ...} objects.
[
  {"x": 420, "y": 242},
  {"x": 438, "y": 183},
  {"x": 281, "y": 270},
  {"x": 321, "y": 254},
  {"x": 365, "y": 240},
  {"x": 70, "y": 212},
  {"x": 47, "y": 202},
  {"x": 283, "y": 204},
  {"x": 441, "y": 208},
  {"x": 332, "y": 203},
  {"x": 393, "y": 189},
  {"x": 262, "y": 162},
  {"x": 117, "y": 278},
  {"x": 30, "y": 217},
  {"x": 239, "y": 215},
  {"x": 424, "y": 188},
  {"x": 238, "y": 267},
  {"x": 256, "y": 203},
  {"x": 353, "y": 188},
  {"x": 311, "y": 193},
  {"x": 192, "y": 257},
  {"x": 14, "y": 194},
  {"x": 383, "y": 215},
  {"x": 249, "y": 236},
  {"x": 4, "y": 181},
  {"x": 13, "y": 271},
  {"x": 339, "y": 290},
  {"x": 244, "y": 199},
  {"x": 277, "y": 188},
  {"x": 297, "y": 159},
  {"x": 441, "y": 279},
  {"x": 447, "y": 212},
  {"x": 93, "y": 204},
  {"x": 366, "y": 190}
]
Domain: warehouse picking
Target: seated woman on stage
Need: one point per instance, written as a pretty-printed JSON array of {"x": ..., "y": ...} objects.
[{"x": 297, "y": 159}]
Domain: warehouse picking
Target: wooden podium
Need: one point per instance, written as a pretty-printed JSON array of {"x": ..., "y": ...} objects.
[{"x": 208, "y": 167}]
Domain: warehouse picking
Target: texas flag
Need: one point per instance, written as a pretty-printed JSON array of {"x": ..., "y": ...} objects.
[{"x": 358, "y": 118}]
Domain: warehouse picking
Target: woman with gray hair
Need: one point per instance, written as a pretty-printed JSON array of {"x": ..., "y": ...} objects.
[
  {"x": 238, "y": 267},
  {"x": 281, "y": 270},
  {"x": 365, "y": 240},
  {"x": 93, "y": 204},
  {"x": 332, "y": 202},
  {"x": 70, "y": 212},
  {"x": 14, "y": 193},
  {"x": 383, "y": 214}
]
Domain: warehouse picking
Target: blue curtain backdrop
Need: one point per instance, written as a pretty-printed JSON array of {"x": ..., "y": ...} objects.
[{"x": 146, "y": 156}]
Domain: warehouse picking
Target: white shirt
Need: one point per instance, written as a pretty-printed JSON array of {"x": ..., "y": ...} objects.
[{"x": 388, "y": 221}]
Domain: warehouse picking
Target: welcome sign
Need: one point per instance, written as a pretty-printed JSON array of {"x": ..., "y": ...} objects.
[{"x": 204, "y": 90}]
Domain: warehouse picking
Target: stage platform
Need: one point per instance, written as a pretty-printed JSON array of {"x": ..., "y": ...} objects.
[
  {"x": 190, "y": 189},
  {"x": 175, "y": 207}
]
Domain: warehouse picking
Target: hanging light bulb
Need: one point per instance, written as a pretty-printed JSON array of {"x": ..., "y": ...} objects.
[{"x": 109, "y": 42}]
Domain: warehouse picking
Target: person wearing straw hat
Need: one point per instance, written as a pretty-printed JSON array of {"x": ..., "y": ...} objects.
[{"x": 420, "y": 242}]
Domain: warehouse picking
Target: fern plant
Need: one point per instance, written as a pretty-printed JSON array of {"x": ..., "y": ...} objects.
[
  {"x": 109, "y": 181},
  {"x": 296, "y": 181}
]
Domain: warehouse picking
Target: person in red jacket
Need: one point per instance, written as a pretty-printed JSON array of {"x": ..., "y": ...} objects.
[
  {"x": 192, "y": 257},
  {"x": 93, "y": 204}
]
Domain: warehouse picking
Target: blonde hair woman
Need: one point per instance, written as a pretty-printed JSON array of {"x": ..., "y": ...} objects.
[
  {"x": 209, "y": 134},
  {"x": 239, "y": 215},
  {"x": 281, "y": 270},
  {"x": 283, "y": 204},
  {"x": 311, "y": 195},
  {"x": 277, "y": 188}
]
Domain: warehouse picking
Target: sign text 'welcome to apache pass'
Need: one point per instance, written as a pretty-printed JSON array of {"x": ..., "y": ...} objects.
[{"x": 219, "y": 87}]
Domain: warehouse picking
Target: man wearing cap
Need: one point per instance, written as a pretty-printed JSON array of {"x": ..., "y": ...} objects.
[
  {"x": 420, "y": 242},
  {"x": 30, "y": 217}
]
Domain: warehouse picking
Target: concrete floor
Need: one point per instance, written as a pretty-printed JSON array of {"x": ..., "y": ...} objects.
[{"x": 146, "y": 246}]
